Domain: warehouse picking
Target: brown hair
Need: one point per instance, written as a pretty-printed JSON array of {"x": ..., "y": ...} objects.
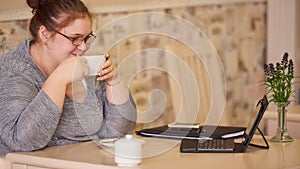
[{"x": 55, "y": 14}]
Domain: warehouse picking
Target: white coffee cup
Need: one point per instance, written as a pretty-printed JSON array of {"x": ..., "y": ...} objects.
[
  {"x": 94, "y": 62},
  {"x": 128, "y": 151}
]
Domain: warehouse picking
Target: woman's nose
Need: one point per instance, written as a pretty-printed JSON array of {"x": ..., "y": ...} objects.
[{"x": 83, "y": 47}]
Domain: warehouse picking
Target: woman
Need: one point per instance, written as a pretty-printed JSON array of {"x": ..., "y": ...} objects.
[{"x": 42, "y": 100}]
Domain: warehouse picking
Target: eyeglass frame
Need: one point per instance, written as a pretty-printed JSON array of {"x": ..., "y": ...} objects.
[{"x": 85, "y": 39}]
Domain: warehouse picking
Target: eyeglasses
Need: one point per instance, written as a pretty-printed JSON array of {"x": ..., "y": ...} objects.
[{"x": 79, "y": 40}]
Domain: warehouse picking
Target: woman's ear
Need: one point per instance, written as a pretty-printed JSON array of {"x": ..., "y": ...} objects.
[{"x": 44, "y": 34}]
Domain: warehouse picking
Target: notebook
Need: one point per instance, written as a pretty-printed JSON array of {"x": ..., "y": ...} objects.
[
  {"x": 193, "y": 131},
  {"x": 228, "y": 145},
  {"x": 199, "y": 132}
]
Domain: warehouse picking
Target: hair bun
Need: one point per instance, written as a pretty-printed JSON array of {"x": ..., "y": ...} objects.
[{"x": 34, "y": 4}]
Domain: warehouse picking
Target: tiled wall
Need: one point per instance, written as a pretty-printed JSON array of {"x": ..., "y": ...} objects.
[
  {"x": 12, "y": 33},
  {"x": 238, "y": 31}
]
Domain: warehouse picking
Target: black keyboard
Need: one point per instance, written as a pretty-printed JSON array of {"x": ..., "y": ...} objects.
[
  {"x": 199, "y": 145},
  {"x": 215, "y": 144}
]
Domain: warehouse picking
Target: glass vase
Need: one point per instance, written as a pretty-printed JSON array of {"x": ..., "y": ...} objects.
[{"x": 281, "y": 131}]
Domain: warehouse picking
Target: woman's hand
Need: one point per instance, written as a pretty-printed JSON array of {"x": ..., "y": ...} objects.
[
  {"x": 72, "y": 69},
  {"x": 108, "y": 71},
  {"x": 75, "y": 89}
]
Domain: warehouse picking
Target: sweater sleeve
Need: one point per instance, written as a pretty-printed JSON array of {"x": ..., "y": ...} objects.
[
  {"x": 28, "y": 116},
  {"x": 118, "y": 119}
]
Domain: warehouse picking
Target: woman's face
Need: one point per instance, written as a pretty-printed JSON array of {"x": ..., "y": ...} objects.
[{"x": 61, "y": 48}]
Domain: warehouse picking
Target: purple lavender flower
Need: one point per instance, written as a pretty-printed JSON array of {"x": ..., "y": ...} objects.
[
  {"x": 284, "y": 60},
  {"x": 279, "y": 79},
  {"x": 291, "y": 68}
]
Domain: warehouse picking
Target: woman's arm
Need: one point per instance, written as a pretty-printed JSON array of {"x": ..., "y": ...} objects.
[
  {"x": 29, "y": 117},
  {"x": 119, "y": 108},
  {"x": 118, "y": 119},
  {"x": 70, "y": 70},
  {"x": 116, "y": 89}
]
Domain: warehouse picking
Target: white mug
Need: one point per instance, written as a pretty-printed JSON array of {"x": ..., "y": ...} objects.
[
  {"x": 94, "y": 62},
  {"x": 128, "y": 151}
]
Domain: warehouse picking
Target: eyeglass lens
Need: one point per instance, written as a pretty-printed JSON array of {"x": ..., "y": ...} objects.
[{"x": 88, "y": 40}]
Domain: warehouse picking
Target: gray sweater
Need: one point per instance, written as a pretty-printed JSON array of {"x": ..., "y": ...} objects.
[{"x": 29, "y": 119}]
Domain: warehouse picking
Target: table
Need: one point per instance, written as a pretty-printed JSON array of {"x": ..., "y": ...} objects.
[{"x": 88, "y": 155}]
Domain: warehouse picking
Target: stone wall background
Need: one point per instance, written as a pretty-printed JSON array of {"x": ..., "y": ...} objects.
[{"x": 238, "y": 31}]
